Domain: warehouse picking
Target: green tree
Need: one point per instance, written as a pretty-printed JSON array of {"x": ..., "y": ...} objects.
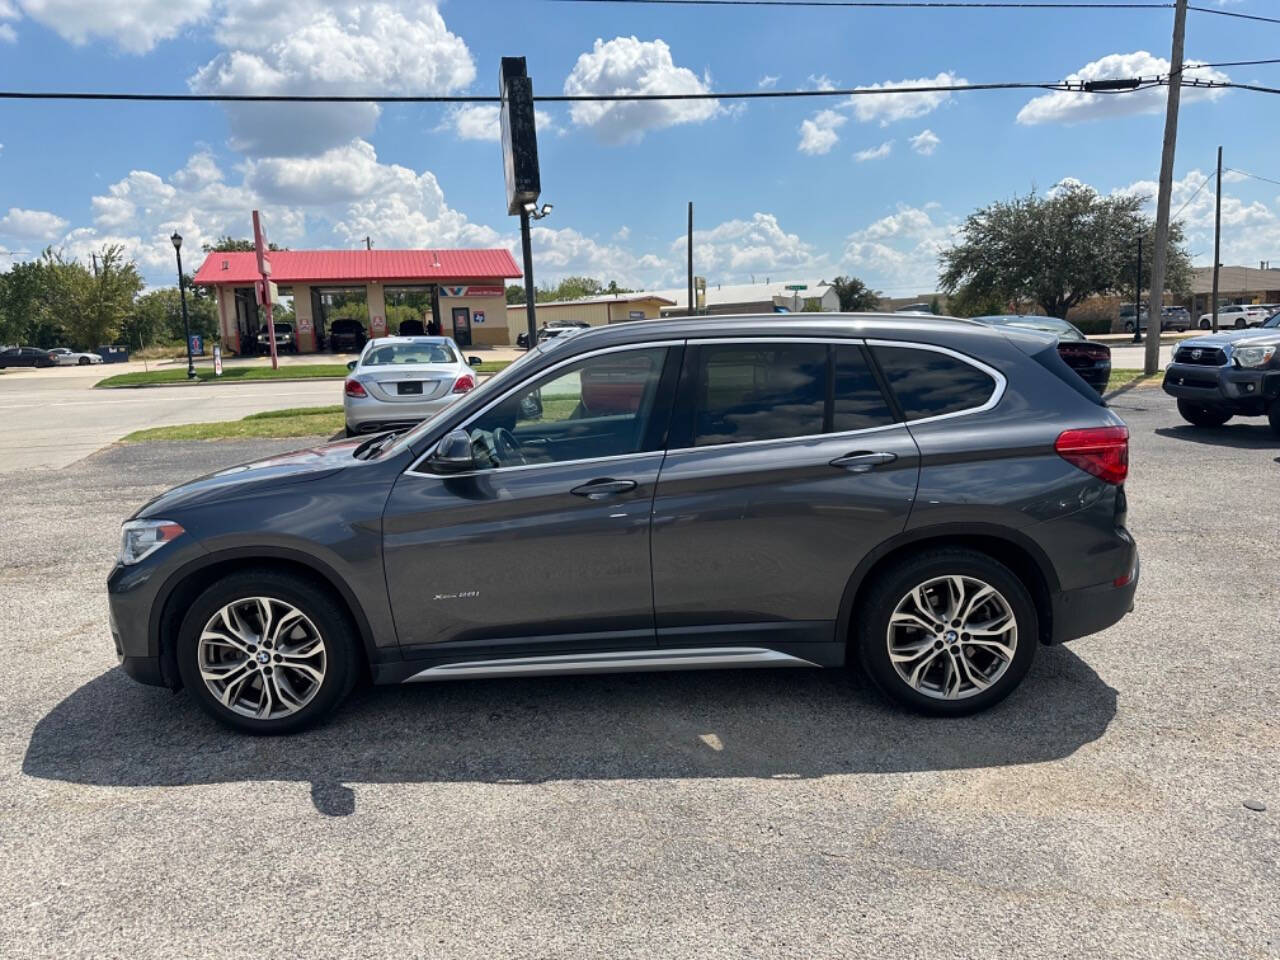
[
  {"x": 935, "y": 305},
  {"x": 229, "y": 244},
  {"x": 90, "y": 306},
  {"x": 855, "y": 296},
  {"x": 515, "y": 293},
  {"x": 1057, "y": 250},
  {"x": 24, "y": 315},
  {"x": 157, "y": 318}
]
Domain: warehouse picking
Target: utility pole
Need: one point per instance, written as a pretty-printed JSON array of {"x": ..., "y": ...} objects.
[
  {"x": 691, "y": 308},
  {"x": 368, "y": 243},
  {"x": 1217, "y": 241},
  {"x": 1160, "y": 255}
]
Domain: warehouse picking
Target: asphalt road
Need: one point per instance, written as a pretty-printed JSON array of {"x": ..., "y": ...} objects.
[
  {"x": 1096, "y": 813},
  {"x": 53, "y": 417}
]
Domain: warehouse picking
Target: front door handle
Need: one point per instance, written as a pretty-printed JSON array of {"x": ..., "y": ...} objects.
[
  {"x": 604, "y": 487},
  {"x": 862, "y": 461}
]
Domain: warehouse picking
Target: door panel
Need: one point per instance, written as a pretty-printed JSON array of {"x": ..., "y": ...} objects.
[
  {"x": 500, "y": 559},
  {"x": 771, "y": 532}
]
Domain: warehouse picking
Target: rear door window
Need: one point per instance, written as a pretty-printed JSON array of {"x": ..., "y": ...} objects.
[
  {"x": 857, "y": 400},
  {"x": 759, "y": 391},
  {"x": 932, "y": 384}
]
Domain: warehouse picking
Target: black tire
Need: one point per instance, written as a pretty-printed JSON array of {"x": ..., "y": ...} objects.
[
  {"x": 1273, "y": 417},
  {"x": 893, "y": 584},
  {"x": 1205, "y": 325},
  {"x": 84, "y": 361},
  {"x": 1128, "y": 327},
  {"x": 351, "y": 433},
  {"x": 1240, "y": 324},
  {"x": 1199, "y": 415},
  {"x": 332, "y": 622}
]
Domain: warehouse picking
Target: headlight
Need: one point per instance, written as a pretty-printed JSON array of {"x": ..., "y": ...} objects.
[
  {"x": 141, "y": 538},
  {"x": 1254, "y": 356}
]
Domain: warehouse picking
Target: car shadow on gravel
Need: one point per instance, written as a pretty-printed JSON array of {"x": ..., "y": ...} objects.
[
  {"x": 755, "y": 723},
  {"x": 1244, "y": 435}
]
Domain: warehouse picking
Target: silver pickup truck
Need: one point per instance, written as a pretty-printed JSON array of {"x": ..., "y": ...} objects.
[{"x": 1228, "y": 374}]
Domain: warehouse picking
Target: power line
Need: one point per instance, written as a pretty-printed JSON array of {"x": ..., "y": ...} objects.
[
  {"x": 1203, "y": 184},
  {"x": 1058, "y": 85},
  {"x": 1252, "y": 176},
  {"x": 1232, "y": 13},
  {"x": 1230, "y": 63},
  {"x": 902, "y": 4}
]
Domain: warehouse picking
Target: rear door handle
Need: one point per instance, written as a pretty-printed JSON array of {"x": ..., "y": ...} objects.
[
  {"x": 604, "y": 487},
  {"x": 862, "y": 461}
]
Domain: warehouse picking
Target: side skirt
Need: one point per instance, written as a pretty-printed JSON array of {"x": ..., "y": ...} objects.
[{"x": 615, "y": 661}]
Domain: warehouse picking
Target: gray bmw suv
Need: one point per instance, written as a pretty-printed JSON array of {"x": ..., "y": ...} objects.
[{"x": 927, "y": 499}]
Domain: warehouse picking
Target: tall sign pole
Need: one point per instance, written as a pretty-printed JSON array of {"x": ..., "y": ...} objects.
[
  {"x": 520, "y": 165},
  {"x": 691, "y": 306},
  {"x": 264, "y": 285},
  {"x": 1160, "y": 254},
  {"x": 1217, "y": 242}
]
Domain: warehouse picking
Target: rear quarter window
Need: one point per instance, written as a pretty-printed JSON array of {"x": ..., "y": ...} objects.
[{"x": 932, "y": 384}]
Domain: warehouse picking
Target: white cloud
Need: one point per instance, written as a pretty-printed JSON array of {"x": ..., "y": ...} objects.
[
  {"x": 737, "y": 249},
  {"x": 630, "y": 65},
  {"x": 768, "y": 81},
  {"x": 481, "y": 122},
  {"x": 822, "y": 82},
  {"x": 874, "y": 153},
  {"x": 8, "y": 34},
  {"x": 818, "y": 134},
  {"x": 1069, "y": 108},
  {"x": 890, "y": 107},
  {"x": 315, "y": 47},
  {"x": 900, "y": 251},
  {"x": 135, "y": 26},
  {"x": 1231, "y": 176},
  {"x": 38, "y": 226},
  {"x": 566, "y": 252},
  {"x": 925, "y": 142}
]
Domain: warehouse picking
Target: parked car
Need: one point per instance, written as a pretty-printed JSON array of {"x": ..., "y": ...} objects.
[
  {"x": 1235, "y": 315},
  {"x": 1089, "y": 359},
  {"x": 1227, "y": 375},
  {"x": 411, "y": 328},
  {"x": 549, "y": 331},
  {"x": 1175, "y": 318},
  {"x": 914, "y": 308},
  {"x": 66, "y": 357},
  {"x": 1127, "y": 312},
  {"x": 286, "y": 340},
  {"x": 26, "y": 357},
  {"x": 399, "y": 381},
  {"x": 929, "y": 500},
  {"x": 347, "y": 336},
  {"x": 1260, "y": 313}
]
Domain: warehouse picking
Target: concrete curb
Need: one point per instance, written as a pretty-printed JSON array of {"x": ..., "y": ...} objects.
[{"x": 216, "y": 383}]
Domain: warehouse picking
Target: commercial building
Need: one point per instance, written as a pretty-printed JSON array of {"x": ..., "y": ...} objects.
[
  {"x": 464, "y": 291},
  {"x": 782, "y": 296},
  {"x": 597, "y": 311},
  {"x": 1235, "y": 285}
]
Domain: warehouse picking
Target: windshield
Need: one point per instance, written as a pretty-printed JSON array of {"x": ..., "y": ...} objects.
[
  {"x": 488, "y": 388},
  {"x": 283, "y": 328},
  {"x": 1273, "y": 322},
  {"x": 1061, "y": 328},
  {"x": 408, "y": 352}
]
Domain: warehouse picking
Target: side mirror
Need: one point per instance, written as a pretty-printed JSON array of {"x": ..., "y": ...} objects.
[
  {"x": 531, "y": 407},
  {"x": 474, "y": 361},
  {"x": 351, "y": 364},
  {"x": 454, "y": 454}
]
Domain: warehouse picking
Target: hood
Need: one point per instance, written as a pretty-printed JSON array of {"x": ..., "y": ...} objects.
[
  {"x": 1228, "y": 337},
  {"x": 247, "y": 479}
]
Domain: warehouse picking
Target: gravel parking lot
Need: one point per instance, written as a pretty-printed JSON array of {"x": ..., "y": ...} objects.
[{"x": 1099, "y": 812}]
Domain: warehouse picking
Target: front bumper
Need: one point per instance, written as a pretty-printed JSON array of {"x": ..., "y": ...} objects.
[
  {"x": 371, "y": 415},
  {"x": 1223, "y": 386}
]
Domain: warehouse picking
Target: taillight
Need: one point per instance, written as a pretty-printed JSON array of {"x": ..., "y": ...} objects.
[
  {"x": 354, "y": 388},
  {"x": 1101, "y": 451},
  {"x": 464, "y": 383}
]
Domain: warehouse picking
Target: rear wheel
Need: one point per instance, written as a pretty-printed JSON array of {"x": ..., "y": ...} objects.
[
  {"x": 947, "y": 632},
  {"x": 1240, "y": 324},
  {"x": 266, "y": 652},
  {"x": 1128, "y": 327},
  {"x": 84, "y": 361},
  {"x": 1202, "y": 416},
  {"x": 1204, "y": 324},
  {"x": 352, "y": 433}
]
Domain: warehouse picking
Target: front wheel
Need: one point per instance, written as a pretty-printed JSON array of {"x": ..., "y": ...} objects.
[
  {"x": 84, "y": 361},
  {"x": 267, "y": 652},
  {"x": 1240, "y": 324},
  {"x": 1199, "y": 415},
  {"x": 947, "y": 632},
  {"x": 1128, "y": 327}
]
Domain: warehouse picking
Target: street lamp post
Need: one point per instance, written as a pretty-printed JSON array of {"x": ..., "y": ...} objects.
[
  {"x": 530, "y": 211},
  {"x": 182, "y": 294}
]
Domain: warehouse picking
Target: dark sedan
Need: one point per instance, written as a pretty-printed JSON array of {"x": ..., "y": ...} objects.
[
  {"x": 347, "y": 336},
  {"x": 26, "y": 357},
  {"x": 1091, "y": 360}
]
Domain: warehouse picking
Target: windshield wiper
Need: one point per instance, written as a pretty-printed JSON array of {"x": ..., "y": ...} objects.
[{"x": 375, "y": 443}]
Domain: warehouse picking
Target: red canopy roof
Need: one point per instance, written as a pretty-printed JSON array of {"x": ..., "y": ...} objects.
[{"x": 341, "y": 266}]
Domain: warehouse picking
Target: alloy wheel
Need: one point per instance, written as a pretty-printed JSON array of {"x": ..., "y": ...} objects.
[
  {"x": 261, "y": 657},
  {"x": 952, "y": 637}
]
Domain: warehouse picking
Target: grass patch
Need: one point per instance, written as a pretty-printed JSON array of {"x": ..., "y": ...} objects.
[
  {"x": 179, "y": 374},
  {"x": 493, "y": 366},
  {"x": 295, "y": 422},
  {"x": 1124, "y": 377}
]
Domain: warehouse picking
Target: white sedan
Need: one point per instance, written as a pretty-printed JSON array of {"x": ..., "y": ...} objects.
[
  {"x": 70, "y": 358},
  {"x": 400, "y": 381}
]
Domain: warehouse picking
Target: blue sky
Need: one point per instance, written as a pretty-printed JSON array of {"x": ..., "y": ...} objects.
[{"x": 797, "y": 189}]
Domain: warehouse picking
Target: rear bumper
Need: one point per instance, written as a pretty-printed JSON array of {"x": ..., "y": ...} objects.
[
  {"x": 370, "y": 415},
  {"x": 1078, "y": 613}
]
